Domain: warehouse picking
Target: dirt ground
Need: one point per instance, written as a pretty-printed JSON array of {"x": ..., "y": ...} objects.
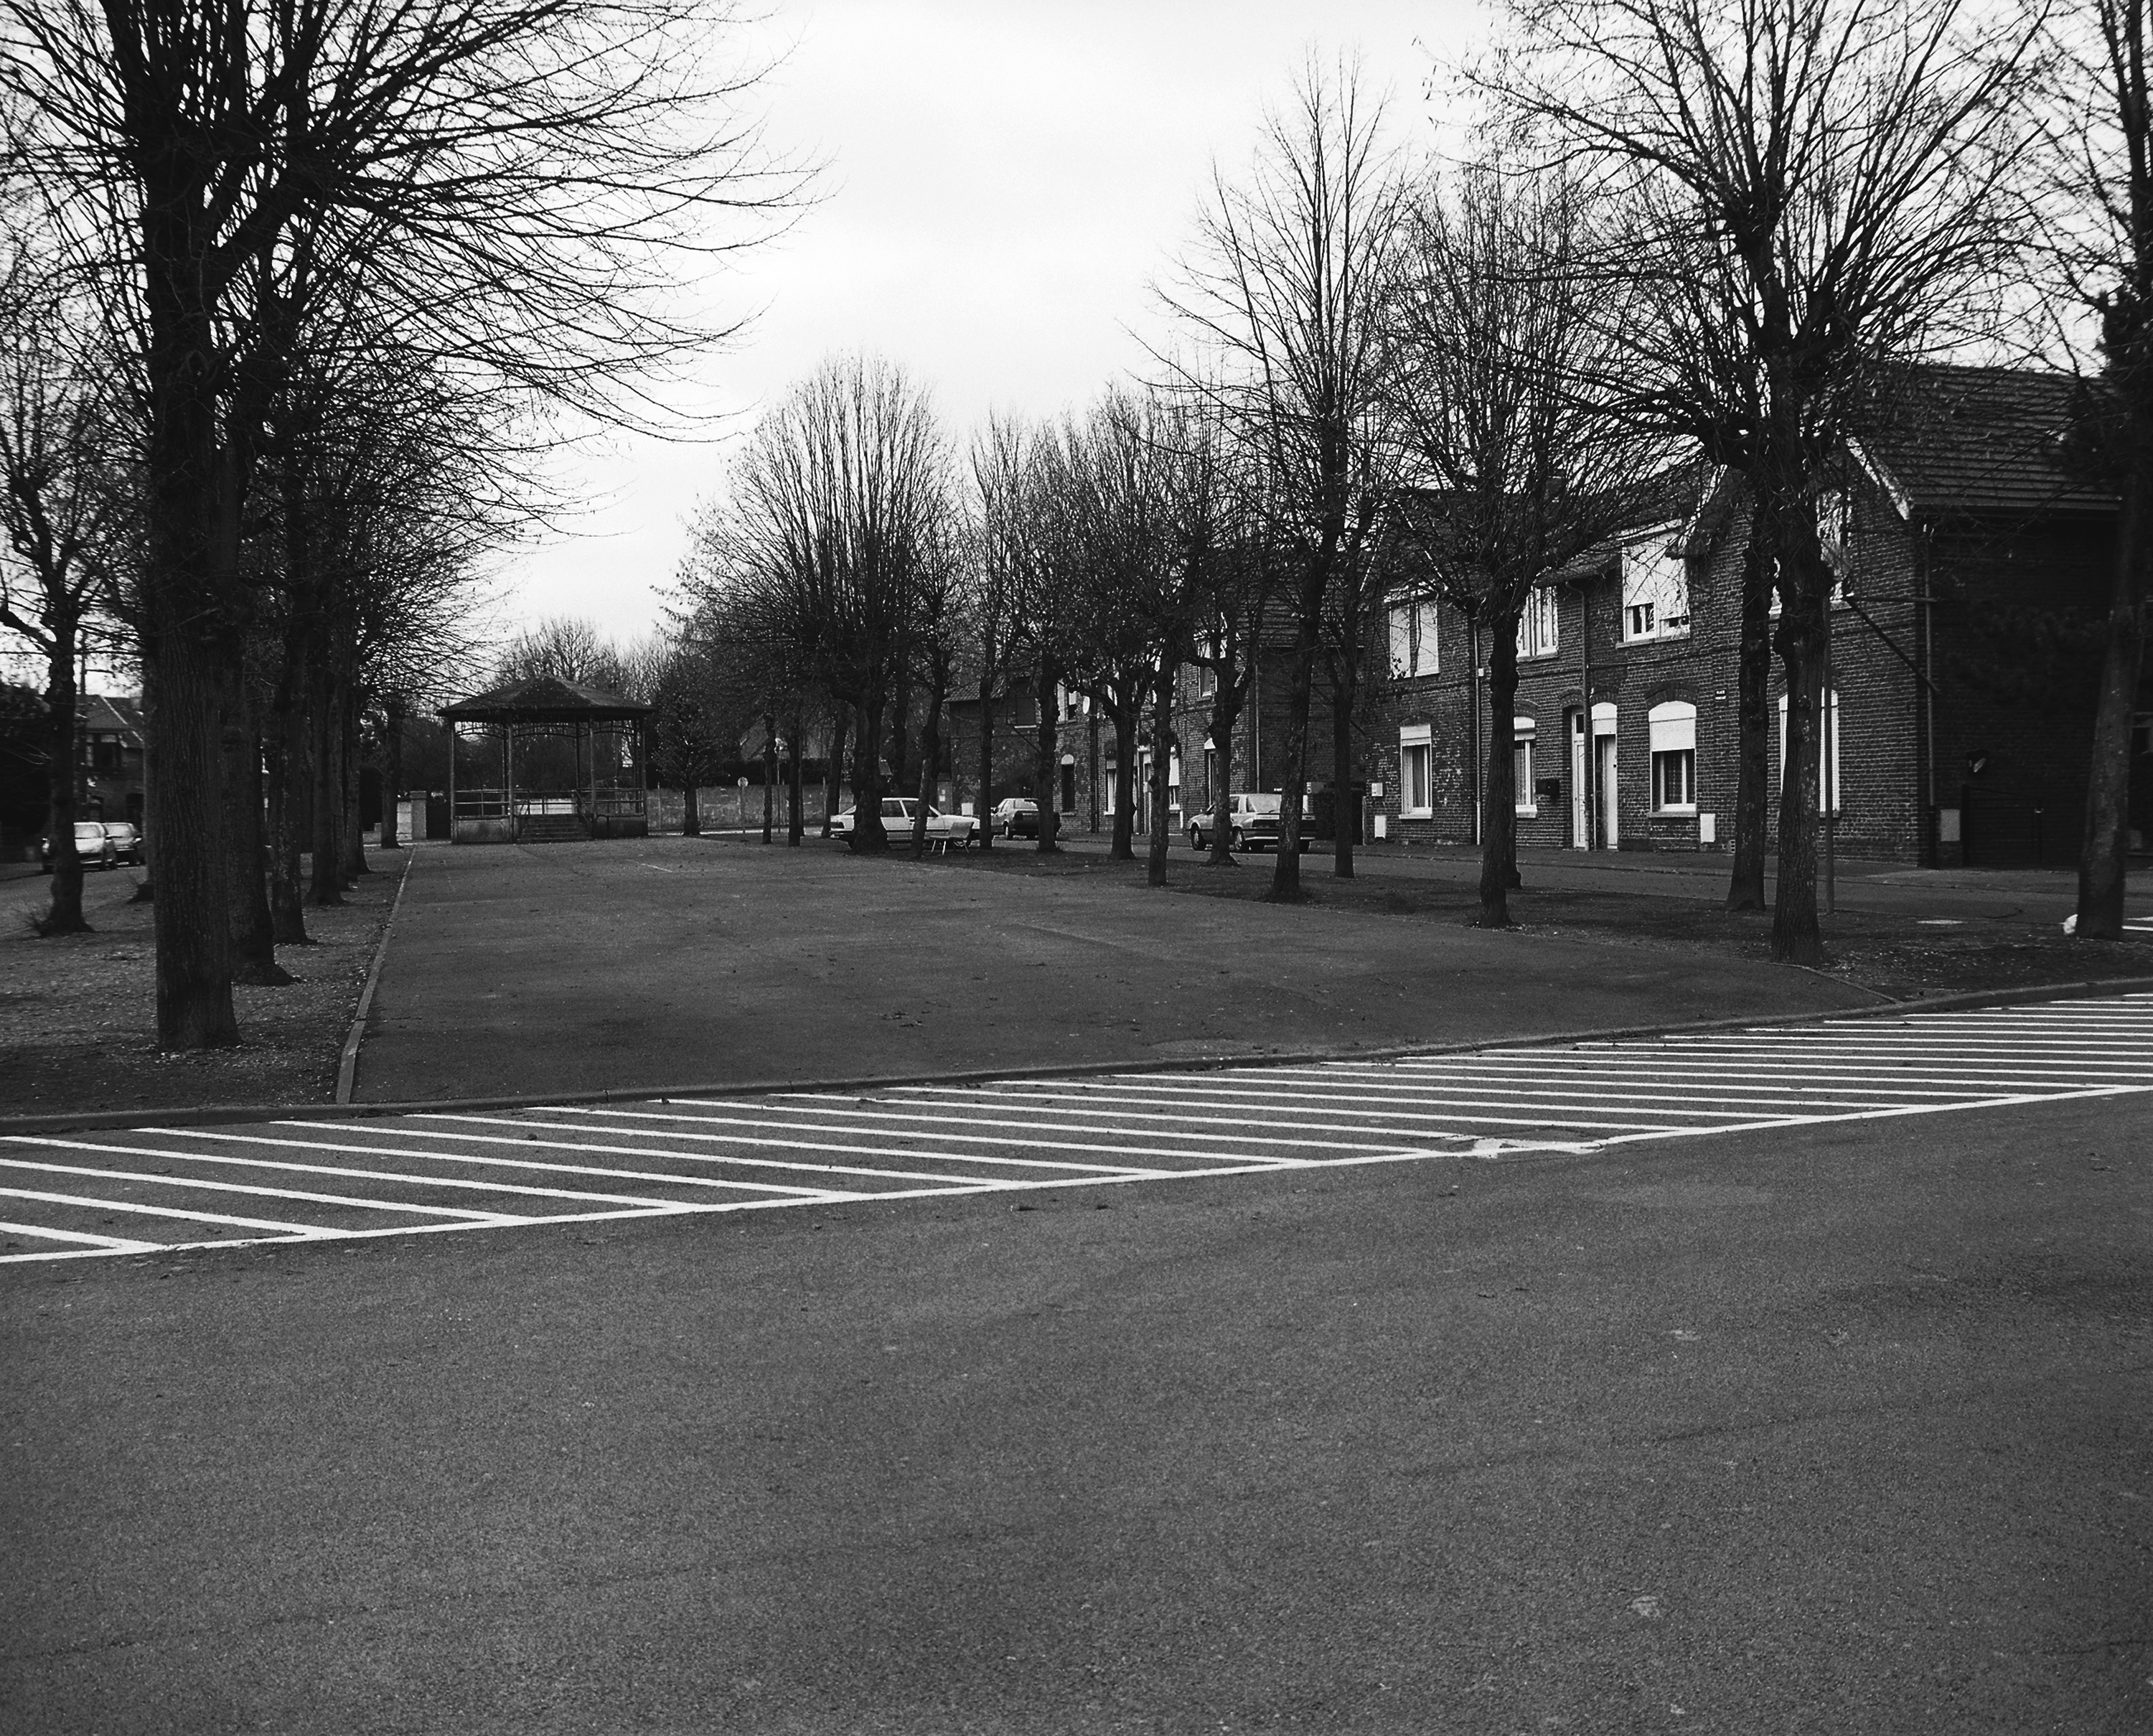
[{"x": 77, "y": 1012}]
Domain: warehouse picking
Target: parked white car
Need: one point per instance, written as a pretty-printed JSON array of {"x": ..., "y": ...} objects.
[{"x": 898, "y": 813}]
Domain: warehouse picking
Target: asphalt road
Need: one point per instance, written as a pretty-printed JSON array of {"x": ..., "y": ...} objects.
[
  {"x": 1829, "y": 1428},
  {"x": 669, "y": 962}
]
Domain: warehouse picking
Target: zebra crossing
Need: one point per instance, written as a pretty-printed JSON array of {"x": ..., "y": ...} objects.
[{"x": 154, "y": 1190}]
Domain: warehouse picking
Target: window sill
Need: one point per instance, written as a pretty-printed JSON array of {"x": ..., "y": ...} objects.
[
  {"x": 1675, "y": 813},
  {"x": 1417, "y": 813},
  {"x": 1526, "y": 814}
]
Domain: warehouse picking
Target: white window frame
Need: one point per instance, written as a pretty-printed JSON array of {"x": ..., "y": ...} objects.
[
  {"x": 1417, "y": 742},
  {"x": 1673, "y": 728},
  {"x": 1539, "y": 623},
  {"x": 1112, "y": 783},
  {"x": 1524, "y": 736},
  {"x": 1414, "y": 651},
  {"x": 1830, "y": 791},
  {"x": 1655, "y": 589}
]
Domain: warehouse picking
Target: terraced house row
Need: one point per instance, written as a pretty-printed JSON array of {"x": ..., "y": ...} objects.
[{"x": 1973, "y": 573}]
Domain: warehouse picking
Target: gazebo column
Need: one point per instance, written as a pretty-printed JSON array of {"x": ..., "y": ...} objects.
[
  {"x": 508, "y": 776},
  {"x": 452, "y": 780}
]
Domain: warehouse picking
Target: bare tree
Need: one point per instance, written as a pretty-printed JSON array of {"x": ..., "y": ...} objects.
[
  {"x": 65, "y": 509},
  {"x": 1283, "y": 292},
  {"x": 534, "y": 171},
  {"x": 838, "y": 502},
  {"x": 1834, "y": 172},
  {"x": 1502, "y": 326},
  {"x": 2095, "y": 198}
]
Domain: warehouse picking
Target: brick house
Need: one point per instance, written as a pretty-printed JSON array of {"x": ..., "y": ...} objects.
[
  {"x": 1972, "y": 574},
  {"x": 112, "y": 755}
]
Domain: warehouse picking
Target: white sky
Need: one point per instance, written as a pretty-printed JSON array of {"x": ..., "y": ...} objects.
[{"x": 1005, "y": 178}]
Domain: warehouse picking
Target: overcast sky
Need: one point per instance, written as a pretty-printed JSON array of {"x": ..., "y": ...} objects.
[{"x": 1004, "y": 179}]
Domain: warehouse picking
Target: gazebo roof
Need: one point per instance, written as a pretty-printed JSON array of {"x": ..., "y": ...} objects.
[{"x": 544, "y": 699}]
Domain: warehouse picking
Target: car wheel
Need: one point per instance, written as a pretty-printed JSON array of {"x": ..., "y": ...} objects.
[{"x": 1240, "y": 842}]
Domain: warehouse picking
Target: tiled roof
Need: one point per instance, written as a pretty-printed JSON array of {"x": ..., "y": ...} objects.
[
  {"x": 112, "y": 714},
  {"x": 544, "y": 699},
  {"x": 1982, "y": 439}
]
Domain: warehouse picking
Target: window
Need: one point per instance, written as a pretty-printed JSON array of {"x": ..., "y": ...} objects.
[
  {"x": 1068, "y": 786},
  {"x": 1416, "y": 785},
  {"x": 1674, "y": 757},
  {"x": 1210, "y": 775},
  {"x": 1828, "y": 751},
  {"x": 1655, "y": 591},
  {"x": 1113, "y": 780},
  {"x": 1537, "y": 625},
  {"x": 1523, "y": 730},
  {"x": 1412, "y": 638}
]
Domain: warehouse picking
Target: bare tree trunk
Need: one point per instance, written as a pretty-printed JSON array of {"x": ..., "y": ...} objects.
[
  {"x": 1126, "y": 716},
  {"x": 287, "y": 775},
  {"x": 869, "y": 836},
  {"x": 325, "y": 878},
  {"x": 1804, "y": 621},
  {"x": 183, "y": 677},
  {"x": 834, "y": 773},
  {"x": 1046, "y": 760},
  {"x": 62, "y": 739},
  {"x": 1286, "y": 872},
  {"x": 1225, "y": 713},
  {"x": 1745, "y": 884},
  {"x": 246, "y": 890},
  {"x": 1344, "y": 694},
  {"x": 985, "y": 830},
  {"x": 1498, "y": 787},
  {"x": 796, "y": 791},
  {"x": 930, "y": 752},
  {"x": 2106, "y": 858},
  {"x": 1161, "y": 766},
  {"x": 691, "y": 817},
  {"x": 769, "y": 775}
]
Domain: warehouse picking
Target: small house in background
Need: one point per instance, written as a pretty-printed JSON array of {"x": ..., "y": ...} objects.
[
  {"x": 1972, "y": 577},
  {"x": 112, "y": 746}
]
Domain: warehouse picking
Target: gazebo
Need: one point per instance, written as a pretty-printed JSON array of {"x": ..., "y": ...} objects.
[{"x": 593, "y": 789}]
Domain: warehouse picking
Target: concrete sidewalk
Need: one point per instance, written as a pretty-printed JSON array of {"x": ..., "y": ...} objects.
[{"x": 667, "y": 961}]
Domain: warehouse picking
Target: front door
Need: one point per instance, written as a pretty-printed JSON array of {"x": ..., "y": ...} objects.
[{"x": 1603, "y": 776}]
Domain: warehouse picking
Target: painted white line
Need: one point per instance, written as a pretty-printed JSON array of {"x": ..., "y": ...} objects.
[
  {"x": 203, "y": 1182},
  {"x": 903, "y": 1120},
  {"x": 298, "y": 1232},
  {"x": 1235, "y": 1095},
  {"x": 192, "y": 1157},
  {"x": 481, "y": 1157},
  {"x": 109, "y": 1243},
  {"x": 726, "y": 1121},
  {"x": 690, "y": 1181}
]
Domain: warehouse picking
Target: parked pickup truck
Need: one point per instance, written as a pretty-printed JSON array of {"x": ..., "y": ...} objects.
[
  {"x": 1256, "y": 822},
  {"x": 897, "y": 818}
]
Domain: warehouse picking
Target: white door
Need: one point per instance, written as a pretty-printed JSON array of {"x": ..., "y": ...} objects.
[
  {"x": 1603, "y": 776},
  {"x": 1579, "y": 836}
]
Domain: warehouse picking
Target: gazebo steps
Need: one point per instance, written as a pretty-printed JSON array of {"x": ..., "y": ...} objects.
[{"x": 550, "y": 829}]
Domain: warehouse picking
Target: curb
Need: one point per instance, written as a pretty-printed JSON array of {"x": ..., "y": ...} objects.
[
  {"x": 348, "y": 1063},
  {"x": 217, "y": 1114}
]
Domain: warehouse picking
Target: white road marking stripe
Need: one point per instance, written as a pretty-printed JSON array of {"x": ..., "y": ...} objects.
[
  {"x": 202, "y": 1182},
  {"x": 111, "y": 1244},
  {"x": 888, "y": 1115},
  {"x": 870, "y": 1151},
  {"x": 298, "y": 1232},
  {"x": 639, "y": 1175},
  {"x": 1620, "y": 1067},
  {"x": 386, "y": 1174},
  {"x": 1238, "y": 1094},
  {"x": 451, "y": 1181}
]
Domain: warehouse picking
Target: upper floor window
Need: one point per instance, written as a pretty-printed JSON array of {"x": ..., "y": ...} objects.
[
  {"x": 1412, "y": 640},
  {"x": 1539, "y": 626},
  {"x": 1655, "y": 590}
]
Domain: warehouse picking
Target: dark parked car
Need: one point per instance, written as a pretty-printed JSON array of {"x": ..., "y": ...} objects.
[
  {"x": 91, "y": 844},
  {"x": 126, "y": 841},
  {"x": 1255, "y": 818},
  {"x": 1016, "y": 817}
]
